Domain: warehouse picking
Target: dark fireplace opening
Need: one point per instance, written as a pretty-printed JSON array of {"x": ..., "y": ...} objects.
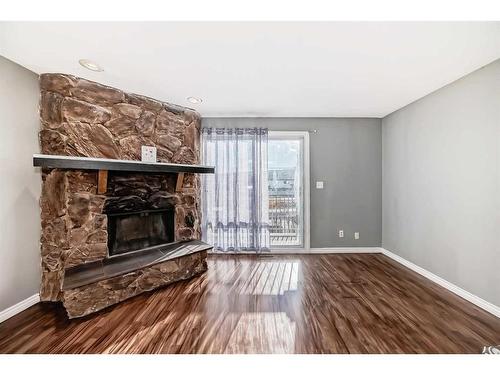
[{"x": 133, "y": 231}]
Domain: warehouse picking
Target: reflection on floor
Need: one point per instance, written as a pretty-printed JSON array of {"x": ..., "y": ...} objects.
[{"x": 352, "y": 303}]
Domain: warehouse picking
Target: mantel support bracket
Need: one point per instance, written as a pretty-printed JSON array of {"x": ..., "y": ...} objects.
[
  {"x": 180, "y": 181},
  {"x": 102, "y": 181}
]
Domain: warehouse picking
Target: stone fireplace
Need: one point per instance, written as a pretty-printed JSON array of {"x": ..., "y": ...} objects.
[{"x": 103, "y": 244}]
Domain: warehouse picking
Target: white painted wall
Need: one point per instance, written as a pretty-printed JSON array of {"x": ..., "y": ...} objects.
[
  {"x": 20, "y": 184},
  {"x": 441, "y": 183}
]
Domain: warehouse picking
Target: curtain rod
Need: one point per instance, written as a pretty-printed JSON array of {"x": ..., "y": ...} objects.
[{"x": 314, "y": 131}]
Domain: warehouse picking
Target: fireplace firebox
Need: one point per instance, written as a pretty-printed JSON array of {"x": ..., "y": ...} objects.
[{"x": 140, "y": 230}]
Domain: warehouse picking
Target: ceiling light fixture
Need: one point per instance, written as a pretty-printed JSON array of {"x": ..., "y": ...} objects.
[
  {"x": 90, "y": 65},
  {"x": 193, "y": 100}
]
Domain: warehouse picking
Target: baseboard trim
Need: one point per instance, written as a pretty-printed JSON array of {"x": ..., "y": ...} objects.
[
  {"x": 18, "y": 307},
  {"x": 316, "y": 250},
  {"x": 478, "y": 301},
  {"x": 329, "y": 250}
]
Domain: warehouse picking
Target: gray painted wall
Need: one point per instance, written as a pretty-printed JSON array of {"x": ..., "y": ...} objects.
[
  {"x": 346, "y": 154},
  {"x": 20, "y": 187},
  {"x": 441, "y": 182}
]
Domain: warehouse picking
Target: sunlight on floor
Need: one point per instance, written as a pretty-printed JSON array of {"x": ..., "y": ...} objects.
[
  {"x": 271, "y": 332},
  {"x": 273, "y": 278}
]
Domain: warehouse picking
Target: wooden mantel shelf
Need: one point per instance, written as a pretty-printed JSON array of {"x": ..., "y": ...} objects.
[{"x": 105, "y": 165}]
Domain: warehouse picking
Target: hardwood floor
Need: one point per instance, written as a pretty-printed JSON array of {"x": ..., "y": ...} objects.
[{"x": 352, "y": 303}]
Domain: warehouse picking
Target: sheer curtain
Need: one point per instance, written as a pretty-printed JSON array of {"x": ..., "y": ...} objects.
[{"x": 235, "y": 200}]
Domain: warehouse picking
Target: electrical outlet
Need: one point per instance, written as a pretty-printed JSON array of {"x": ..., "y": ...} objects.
[
  {"x": 148, "y": 154},
  {"x": 341, "y": 233},
  {"x": 319, "y": 184},
  {"x": 356, "y": 235}
]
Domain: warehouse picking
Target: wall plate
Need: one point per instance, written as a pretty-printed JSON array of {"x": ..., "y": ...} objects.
[{"x": 148, "y": 154}]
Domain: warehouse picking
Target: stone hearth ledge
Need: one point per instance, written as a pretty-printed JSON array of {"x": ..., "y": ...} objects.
[
  {"x": 99, "y": 295},
  {"x": 108, "y": 268}
]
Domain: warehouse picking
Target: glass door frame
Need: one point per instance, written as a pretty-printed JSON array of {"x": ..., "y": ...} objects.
[{"x": 303, "y": 136}]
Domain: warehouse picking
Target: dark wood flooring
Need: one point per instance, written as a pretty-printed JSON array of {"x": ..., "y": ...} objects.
[{"x": 352, "y": 303}]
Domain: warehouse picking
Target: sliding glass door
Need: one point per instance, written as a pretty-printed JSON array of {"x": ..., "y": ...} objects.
[{"x": 288, "y": 181}]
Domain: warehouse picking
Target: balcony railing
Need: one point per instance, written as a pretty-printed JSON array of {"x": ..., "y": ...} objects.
[{"x": 284, "y": 221}]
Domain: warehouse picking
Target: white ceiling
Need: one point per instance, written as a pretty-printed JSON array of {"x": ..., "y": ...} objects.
[{"x": 337, "y": 69}]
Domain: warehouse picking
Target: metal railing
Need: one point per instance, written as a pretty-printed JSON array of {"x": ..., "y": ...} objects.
[{"x": 284, "y": 220}]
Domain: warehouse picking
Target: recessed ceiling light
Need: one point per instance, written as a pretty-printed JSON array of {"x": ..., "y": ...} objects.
[
  {"x": 90, "y": 65},
  {"x": 193, "y": 100}
]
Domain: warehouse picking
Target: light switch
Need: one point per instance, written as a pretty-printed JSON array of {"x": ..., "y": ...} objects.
[
  {"x": 319, "y": 184},
  {"x": 148, "y": 154}
]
